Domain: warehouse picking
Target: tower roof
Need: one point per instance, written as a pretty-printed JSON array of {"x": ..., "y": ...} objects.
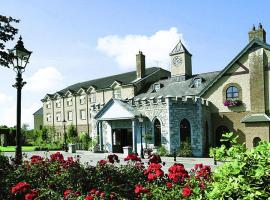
[{"x": 179, "y": 48}]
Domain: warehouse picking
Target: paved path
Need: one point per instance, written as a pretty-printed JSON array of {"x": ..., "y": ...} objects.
[{"x": 92, "y": 158}]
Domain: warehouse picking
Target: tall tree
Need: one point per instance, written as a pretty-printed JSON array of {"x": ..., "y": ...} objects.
[{"x": 7, "y": 33}]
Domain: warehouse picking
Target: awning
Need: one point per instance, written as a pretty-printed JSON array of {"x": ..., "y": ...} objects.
[
  {"x": 258, "y": 117},
  {"x": 117, "y": 109}
]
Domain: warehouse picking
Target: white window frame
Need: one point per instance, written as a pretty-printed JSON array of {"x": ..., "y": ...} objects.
[
  {"x": 48, "y": 105},
  {"x": 83, "y": 117},
  {"x": 49, "y": 117},
  {"x": 82, "y": 100},
  {"x": 92, "y": 97},
  {"x": 58, "y": 104},
  {"x": 70, "y": 117},
  {"x": 117, "y": 93},
  {"x": 58, "y": 116},
  {"x": 69, "y": 101}
]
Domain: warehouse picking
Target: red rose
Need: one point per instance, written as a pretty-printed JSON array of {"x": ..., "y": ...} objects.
[
  {"x": 67, "y": 193},
  {"x": 89, "y": 197},
  {"x": 102, "y": 162},
  {"x": 186, "y": 192},
  {"x": 169, "y": 185}
]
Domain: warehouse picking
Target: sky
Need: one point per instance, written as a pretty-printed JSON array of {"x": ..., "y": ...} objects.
[{"x": 78, "y": 40}]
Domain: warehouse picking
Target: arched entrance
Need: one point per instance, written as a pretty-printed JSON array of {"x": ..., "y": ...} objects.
[
  {"x": 221, "y": 130},
  {"x": 185, "y": 133},
  {"x": 256, "y": 141},
  {"x": 157, "y": 133}
]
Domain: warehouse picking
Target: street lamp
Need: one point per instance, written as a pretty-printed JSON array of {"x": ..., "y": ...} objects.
[
  {"x": 65, "y": 135},
  {"x": 20, "y": 57},
  {"x": 141, "y": 124}
]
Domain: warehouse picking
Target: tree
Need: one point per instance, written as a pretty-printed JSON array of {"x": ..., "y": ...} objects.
[
  {"x": 72, "y": 133},
  {"x": 7, "y": 33}
]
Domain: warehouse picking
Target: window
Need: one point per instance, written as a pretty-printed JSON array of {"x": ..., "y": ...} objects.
[
  {"x": 197, "y": 82},
  {"x": 82, "y": 114},
  {"x": 69, "y": 101},
  {"x": 117, "y": 93},
  {"x": 48, "y": 105},
  {"x": 92, "y": 98},
  {"x": 70, "y": 115},
  {"x": 232, "y": 93},
  {"x": 58, "y": 104},
  {"x": 49, "y": 117},
  {"x": 256, "y": 141},
  {"x": 58, "y": 116},
  {"x": 82, "y": 100},
  {"x": 156, "y": 87}
]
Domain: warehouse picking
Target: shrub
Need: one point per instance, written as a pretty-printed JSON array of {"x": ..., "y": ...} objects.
[
  {"x": 85, "y": 140},
  {"x": 162, "y": 151},
  {"x": 247, "y": 176},
  {"x": 185, "y": 149}
]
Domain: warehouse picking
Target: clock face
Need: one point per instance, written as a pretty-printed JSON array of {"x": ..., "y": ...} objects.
[{"x": 177, "y": 61}]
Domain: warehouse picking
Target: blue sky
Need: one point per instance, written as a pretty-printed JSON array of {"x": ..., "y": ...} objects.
[{"x": 73, "y": 41}]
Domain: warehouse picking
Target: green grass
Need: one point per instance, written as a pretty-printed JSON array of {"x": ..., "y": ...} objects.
[{"x": 12, "y": 148}]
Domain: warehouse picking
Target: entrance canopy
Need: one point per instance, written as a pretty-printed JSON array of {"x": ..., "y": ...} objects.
[{"x": 117, "y": 109}]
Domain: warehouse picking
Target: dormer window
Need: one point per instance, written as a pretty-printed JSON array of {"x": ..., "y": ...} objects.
[
  {"x": 232, "y": 93},
  {"x": 196, "y": 82},
  {"x": 157, "y": 87},
  {"x": 69, "y": 101},
  {"x": 58, "y": 104},
  {"x": 82, "y": 100},
  {"x": 92, "y": 98},
  {"x": 117, "y": 93},
  {"x": 48, "y": 105}
]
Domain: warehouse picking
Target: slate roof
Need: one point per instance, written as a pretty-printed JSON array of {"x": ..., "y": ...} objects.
[
  {"x": 106, "y": 82},
  {"x": 174, "y": 87},
  {"x": 39, "y": 111},
  {"x": 179, "y": 48},
  {"x": 258, "y": 117}
]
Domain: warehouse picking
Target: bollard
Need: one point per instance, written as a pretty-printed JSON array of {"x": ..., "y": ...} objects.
[{"x": 174, "y": 155}]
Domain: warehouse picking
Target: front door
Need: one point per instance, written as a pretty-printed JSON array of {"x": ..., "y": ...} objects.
[{"x": 121, "y": 138}]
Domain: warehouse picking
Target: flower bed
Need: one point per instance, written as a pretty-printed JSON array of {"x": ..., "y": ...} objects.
[{"x": 59, "y": 178}]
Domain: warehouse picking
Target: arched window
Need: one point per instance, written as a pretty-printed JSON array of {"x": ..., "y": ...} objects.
[
  {"x": 185, "y": 133},
  {"x": 232, "y": 93},
  {"x": 221, "y": 130},
  {"x": 157, "y": 133},
  {"x": 256, "y": 141}
]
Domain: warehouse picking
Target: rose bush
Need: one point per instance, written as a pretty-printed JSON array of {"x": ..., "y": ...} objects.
[{"x": 246, "y": 176}]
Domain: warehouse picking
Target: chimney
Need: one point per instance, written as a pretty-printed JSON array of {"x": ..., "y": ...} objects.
[
  {"x": 140, "y": 65},
  {"x": 259, "y": 33}
]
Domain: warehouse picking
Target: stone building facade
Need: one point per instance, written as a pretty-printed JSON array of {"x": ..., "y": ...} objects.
[{"x": 174, "y": 107}]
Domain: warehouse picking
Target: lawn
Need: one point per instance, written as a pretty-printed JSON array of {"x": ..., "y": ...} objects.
[{"x": 12, "y": 148}]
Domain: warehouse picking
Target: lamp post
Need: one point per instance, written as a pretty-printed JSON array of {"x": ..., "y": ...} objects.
[
  {"x": 20, "y": 57},
  {"x": 141, "y": 124},
  {"x": 65, "y": 135}
]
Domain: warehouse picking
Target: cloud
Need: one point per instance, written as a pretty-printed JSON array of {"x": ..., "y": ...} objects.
[
  {"x": 45, "y": 79},
  {"x": 8, "y": 114},
  {"x": 4, "y": 98},
  {"x": 156, "y": 47}
]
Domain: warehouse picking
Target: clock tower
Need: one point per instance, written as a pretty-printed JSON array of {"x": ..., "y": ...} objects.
[{"x": 181, "y": 62}]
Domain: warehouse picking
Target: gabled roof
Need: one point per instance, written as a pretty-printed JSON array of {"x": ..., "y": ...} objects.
[
  {"x": 255, "y": 42},
  {"x": 175, "y": 88},
  {"x": 179, "y": 48},
  {"x": 106, "y": 82},
  {"x": 117, "y": 109},
  {"x": 39, "y": 111}
]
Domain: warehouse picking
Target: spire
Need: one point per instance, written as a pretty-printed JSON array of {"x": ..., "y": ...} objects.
[{"x": 179, "y": 48}]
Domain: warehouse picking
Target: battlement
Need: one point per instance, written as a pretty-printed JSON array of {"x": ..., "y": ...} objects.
[{"x": 167, "y": 100}]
